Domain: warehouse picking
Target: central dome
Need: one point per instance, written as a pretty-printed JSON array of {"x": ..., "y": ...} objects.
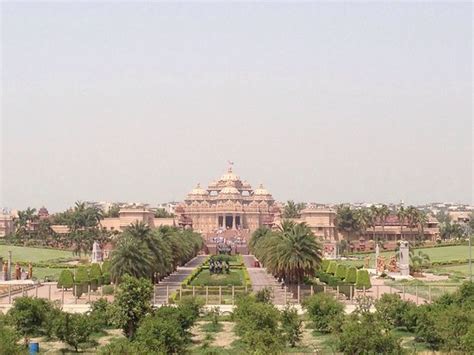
[{"x": 229, "y": 176}]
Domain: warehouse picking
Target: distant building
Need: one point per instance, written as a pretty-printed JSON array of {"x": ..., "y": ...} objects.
[{"x": 7, "y": 225}]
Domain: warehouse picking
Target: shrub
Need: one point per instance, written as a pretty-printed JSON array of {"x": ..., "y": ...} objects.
[
  {"x": 364, "y": 334},
  {"x": 123, "y": 346},
  {"x": 391, "y": 308},
  {"x": 341, "y": 271},
  {"x": 291, "y": 325},
  {"x": 132, "y": 303},
  {"x": 351, "y": 275},
  {"x": 264, "y": 295},
  {"x": 101, "y": 314},
  {"x": 95, "y": 276},
  {"x": 108, "y": 290},
  {"x": 322, "y": 308},
  {"x": 162, "y": 334},
  {"x": 332, "y": 268},
  {"x": 189, "y": 309},
  {"x": 324, "y": 265},
  {"x": 81, "y": 281},
  {"x": 106, "y": 279},
  {"x": 363, "y": 279},
  {"x": 66, "y": 279},
  {"x": 9, "y": 341},
  {"x": 29, "y": 315},
  {"x": 74, "y": 329}
]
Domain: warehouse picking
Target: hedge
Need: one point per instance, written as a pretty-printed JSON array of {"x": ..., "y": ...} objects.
[
  {"x": 363, "y": 279},
  {"x": 341, "y": 271},
  {"x": 66, "y": 279},
  {"x": 332, "y": 268},
  {"x": 351, "y": 275},
  {"x": 81, "y": 281},
  {"x": 325, "y": 264},
  {"x": 95, "y": 276}
]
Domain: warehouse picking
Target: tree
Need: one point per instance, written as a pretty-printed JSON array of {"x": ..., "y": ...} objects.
[
  {"x": 162, "y": 213},
  {"x": 346, "y": 221},
  {"x": 292, "y": 209},
  {"x": 418, "y": 261},
  {"x": 401, "y": 215},
  {"x": 443, "y": 217},
  {"x": 383, "y": 213},
  {"x": 130, "y": 258},
  {"x": 66, "y": 279},
  {"x": 292, "y": 253},
  {"x": 29, "y": 315},
  {"x": 132, "y": 303},
  {"x": 9, "y": 339},
  {"x": 363, "y": 220},
  {"x": 113, "y": 212},
  {"x": 374, "y": 216},
  {"x": 74, "y": 329},
  {"x": 291, "y": 325},
  {"x": 322, "y": 310},
  {"x": 365, "y": 334}
]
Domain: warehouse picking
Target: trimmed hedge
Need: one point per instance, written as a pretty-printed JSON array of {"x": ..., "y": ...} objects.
[
  {"x": 363, "y": 280},
  {"x": 332, "y": 268},
  {"x": 66, "y": 279},
  {"x": 341, "y": 271},
  {"x": 95, "y": 276},
  {"x": 324, "y": 264},
  {"x": 351, "y": 275}
]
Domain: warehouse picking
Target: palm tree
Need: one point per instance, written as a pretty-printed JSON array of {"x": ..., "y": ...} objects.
[
  {"x": 411, "y": 215},
  {"x": 292, "y": 209},
  {"x": 259, "y": 233},
  {"x": 374, "y": 213},
  {"x": 346, "y": 221},
  {"x": 418, "y": 261},
  {"x": 421, "y": 221},
  {"x": 130, "y": 258},
  {"x": 363, "y": 220},
  {"x": 401, "y": 215},
  {"x": 291, "y": 253},
  {"x": 382, "y": 213}
]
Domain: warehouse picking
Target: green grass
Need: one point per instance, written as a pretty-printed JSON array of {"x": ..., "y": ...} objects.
[
  {"x": 205, "y": 278},
  {"x": 28, "y": 254},
  {"x": 448, "y": 253},
  {"x": 40, "y": 273},
  {"x": 461, "y": 268}
]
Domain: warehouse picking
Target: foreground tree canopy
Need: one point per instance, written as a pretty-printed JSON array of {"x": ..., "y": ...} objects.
[
  {"x": 144, "y": 252},
  {"x": 292, "y": 252}
]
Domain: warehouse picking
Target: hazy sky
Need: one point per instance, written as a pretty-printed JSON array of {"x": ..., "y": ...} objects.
[{"x": 320, "y": 102}]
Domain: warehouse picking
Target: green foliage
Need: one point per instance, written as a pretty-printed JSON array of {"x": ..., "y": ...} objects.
[
  {"x": 74, "y": 329},
  {"x": 365, "y": 334},
  {"x": 257, "y": 325},
  {"x": 105, "y": 266},
  {"x": 351, "y": 276},
  {"x": 341, "y": 271},
  {"x": 292, "y": 252},
  {"x": 189, "y": 310},
  {"x": 322, "y": 309},
  {"x": 81, "y": 281},
  {"x": 332, "y": 268},
  {"x": 123, "y": 346},
  {"x": 162, "y": 335},
  {"x": 101, "y": 314},
  {"x": 30, "y": 315},
  {"x": 108, "y": 290},
  {"x": 363, "y": 279},
  {"x": 264, "y": 295},
  {"x": 292, "y": 209},
  {"x": 291, "y": 325},
  {"x": 324, "y": 265},
  {"x": 95, "y": 275},
  {"x": 392, "y": 309},
  {"x": 132, "y": 303},
  {"x": 66, "y": 279},
  {"x": 9, "y": 340}
]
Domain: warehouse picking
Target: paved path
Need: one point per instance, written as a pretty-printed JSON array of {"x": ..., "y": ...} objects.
[
  {"x": 171, "y": 283},
  {"x": 260, "y": 279}
]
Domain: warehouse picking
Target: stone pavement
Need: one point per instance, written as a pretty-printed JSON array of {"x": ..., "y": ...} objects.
[{"x": 260, "y": 279}]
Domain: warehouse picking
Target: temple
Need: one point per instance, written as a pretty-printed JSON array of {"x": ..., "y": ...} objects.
[{"x": 228, "y": 203}]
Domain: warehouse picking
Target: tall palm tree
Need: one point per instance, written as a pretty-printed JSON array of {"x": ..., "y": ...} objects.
[
  {"x": 363, "y": 220},
  {"x": 421, "y": 221},
  {"x": 374, "y": 214},
  {"x": 259, "y": 233},
  {"x": 292, "y": 209},
  {"x": 401, "y": 215},
  {"x": 411, "y": 215},
  {"x": 383, "y": 213},
  {"x": 346, "y": 221},
  {"x": 292, "y": 253},
  {"x": 130, "y": 258}
]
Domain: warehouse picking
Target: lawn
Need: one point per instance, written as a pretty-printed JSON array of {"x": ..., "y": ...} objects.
[
  {"x": 205, "y": 278},
  {"x": 448, "y": 253},
  {"x": 28, "y": 254}
]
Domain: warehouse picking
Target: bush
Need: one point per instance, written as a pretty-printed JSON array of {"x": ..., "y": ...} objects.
[
  {"x": 392, "y": 309},
  {"x": 351, "y": 276},
  {"x": 264, "y": 295},
  {"x": 341, "y": 271},
  {"x": 162, "y": 334},
  {"x": 106, "y": 279},
  {"x": 66, "y": 279},
  {"x": 107, "y": 290},
  {"x": 322, "y": 309},
  {"x": 101, "y": 314},
  {"x": 364, "y": 334},
  {"x": 324, "y": 265},
  {"x": 95, "y": 276},
  {"x": 123, "y": 347},
  {"x": 332, "y": 268},
  {"x": 189, "y": 310},
  {"x": 363, "y": 279},
  {"x": 9, "y": 341},
  {"x": 291, "y": 325},
  {"x": 74, "y": 329},
  {"x": 81, "y": 281}
]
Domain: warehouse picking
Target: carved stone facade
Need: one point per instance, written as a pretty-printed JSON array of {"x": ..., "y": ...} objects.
[{"x": 228, "y": 203}]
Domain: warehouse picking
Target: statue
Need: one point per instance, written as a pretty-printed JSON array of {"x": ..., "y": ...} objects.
[
  {"x": 96, "y": 253},
  {"x": 404, "y": 258},
  {"x": 17, "y": 271},
  {"x": 392, "y": 266},
  {"x": 366, "y": 262},
  {"x": 380, "y": 264}
]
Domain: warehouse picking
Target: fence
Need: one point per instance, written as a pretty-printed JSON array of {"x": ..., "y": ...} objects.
[{"x": 227, "y": 295}]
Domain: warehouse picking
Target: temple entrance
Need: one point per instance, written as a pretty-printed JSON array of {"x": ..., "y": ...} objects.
[
  {"x": 229, "y": 221},
  {"x": 237, "y": 222},
  {"x": 221, "y": 221}
]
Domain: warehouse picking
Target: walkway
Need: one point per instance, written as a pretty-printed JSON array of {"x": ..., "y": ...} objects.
[
  {"x": 172, "y": 283},
  {"x": 261, "y": 278}
]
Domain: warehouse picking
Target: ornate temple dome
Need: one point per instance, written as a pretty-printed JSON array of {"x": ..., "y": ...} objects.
[
  {"x": 229, "y": 176},
  {"x": 261, "y": 191},
  {"x": 198, "y": 193}
]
